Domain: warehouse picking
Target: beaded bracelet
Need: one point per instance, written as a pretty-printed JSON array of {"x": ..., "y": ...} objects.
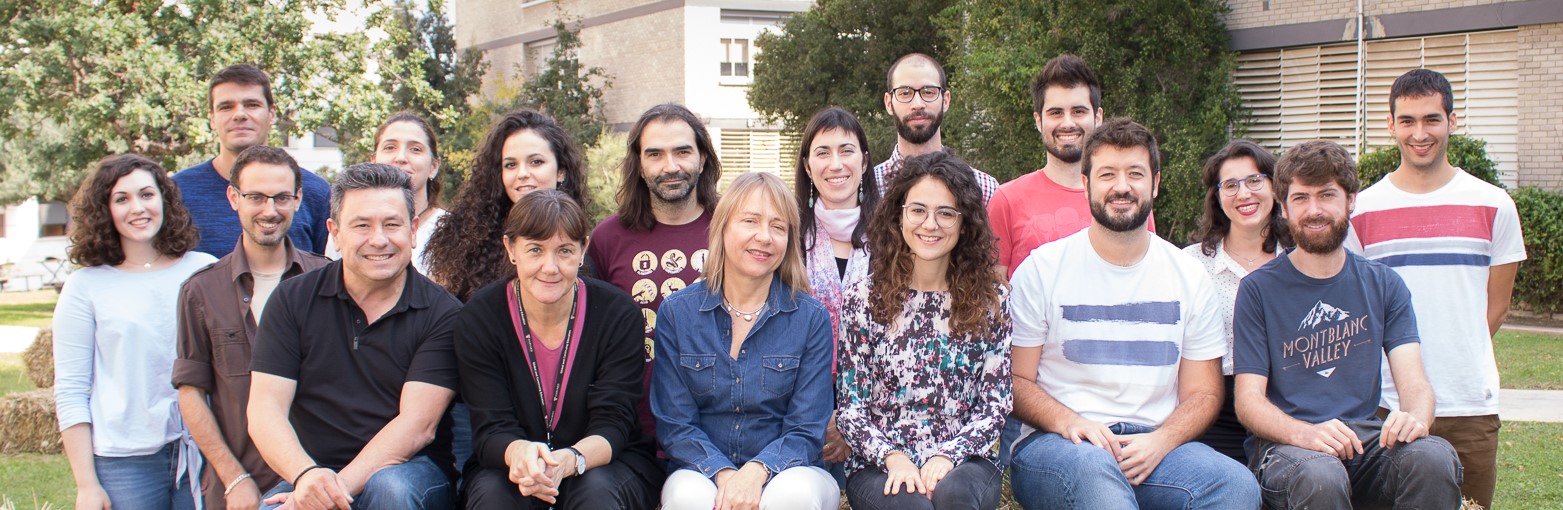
[{"x": 234, "y": 483}]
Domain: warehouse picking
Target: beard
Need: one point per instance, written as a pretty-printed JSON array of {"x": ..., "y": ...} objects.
[
  {"x": 917, "y": 136},
  {"x": 269, "y": 240},
  {"x": 1128, "y": 223},
  {"x": 672, "y": 194},
  {"x": 1320, "y": 243},
  {"x": 1067, "y": 153}
]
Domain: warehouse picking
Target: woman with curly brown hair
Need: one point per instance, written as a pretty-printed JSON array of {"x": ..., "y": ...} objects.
[
  {"x": 923, "y": 381},
  {"x": 523, "y": 151},
  {"x": 114, "y": 340}
]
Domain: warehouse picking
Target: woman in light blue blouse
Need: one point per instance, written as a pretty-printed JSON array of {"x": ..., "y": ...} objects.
[
  {"x": 741, "y": 390},
  {"x": 114, "y": 340}
]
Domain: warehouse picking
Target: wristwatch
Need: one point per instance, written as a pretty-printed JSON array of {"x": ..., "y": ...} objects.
[{"x": 580, "y": 461}]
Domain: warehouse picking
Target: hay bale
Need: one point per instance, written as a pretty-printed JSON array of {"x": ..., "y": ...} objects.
[
  {"x": 39, "y": 359},
  {"x": 27, "y": 423}
]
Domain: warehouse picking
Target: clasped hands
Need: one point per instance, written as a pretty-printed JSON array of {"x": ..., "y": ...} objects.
[{"x": 537, "y": 471}]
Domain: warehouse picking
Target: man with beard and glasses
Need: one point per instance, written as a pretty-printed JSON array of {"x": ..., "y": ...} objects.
[
  {"x": 240, "y": 113},
  {"x": 1311, "y": 328},
  {"x": 1456, "y": 241},
  {"x": 1117, "y": 354},
  {"x": 916, "y": 97},
  {"x": 655, "y": 244},
  {"x": 219, "y": 310}
]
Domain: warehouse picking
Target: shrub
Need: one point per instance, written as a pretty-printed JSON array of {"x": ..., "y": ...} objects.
[
  {"x": 1539, "y": 286},
  {"x": 1466, "y": 152}
]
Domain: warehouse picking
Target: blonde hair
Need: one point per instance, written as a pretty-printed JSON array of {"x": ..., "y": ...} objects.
[{"x": 769, "y": 187}]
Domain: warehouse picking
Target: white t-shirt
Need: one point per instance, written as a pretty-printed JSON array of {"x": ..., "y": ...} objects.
[
  {"x": 1442, "y": 243},
  {"x": 114, "y": 348},
  {"x": 1113, "y": 337}
]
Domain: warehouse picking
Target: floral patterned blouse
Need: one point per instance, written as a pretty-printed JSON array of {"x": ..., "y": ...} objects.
[{"x": 909, "y": 387}]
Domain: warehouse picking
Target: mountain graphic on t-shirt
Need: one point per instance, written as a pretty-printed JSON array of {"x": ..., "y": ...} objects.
[{"x": 1321, "y": 313}]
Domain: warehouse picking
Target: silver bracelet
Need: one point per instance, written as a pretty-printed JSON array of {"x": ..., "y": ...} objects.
[{"x": 234, "y": 483}]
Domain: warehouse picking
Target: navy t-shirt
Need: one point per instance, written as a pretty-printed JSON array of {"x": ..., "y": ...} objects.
[
  {"x": 205, "y": 195},
  {"x": 1321, "y": 342}
]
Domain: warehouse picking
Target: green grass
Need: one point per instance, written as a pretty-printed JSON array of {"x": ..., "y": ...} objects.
[
  {"x": 13, "y": 379},
  {"x": 32, "y": 480},
  {"x": 1530, "y": 465},
  {"x": 27, "y": 314},
  {"x": 1530, "y": 362}
]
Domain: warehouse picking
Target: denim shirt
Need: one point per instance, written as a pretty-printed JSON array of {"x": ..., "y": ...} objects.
[{"x": 708, "y": 417}]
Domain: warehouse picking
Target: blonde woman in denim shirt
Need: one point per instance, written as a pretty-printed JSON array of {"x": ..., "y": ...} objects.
[{"x": 734, "y": 444}]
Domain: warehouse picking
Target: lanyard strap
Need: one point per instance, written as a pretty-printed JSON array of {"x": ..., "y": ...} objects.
[{"x": 550, "y": 407}]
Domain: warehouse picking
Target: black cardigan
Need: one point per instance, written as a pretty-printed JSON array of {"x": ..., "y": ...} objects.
[{"x": 604, "y": 386}]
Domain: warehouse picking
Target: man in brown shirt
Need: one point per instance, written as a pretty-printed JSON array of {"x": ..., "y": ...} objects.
[{"x": 219, "y": 308}]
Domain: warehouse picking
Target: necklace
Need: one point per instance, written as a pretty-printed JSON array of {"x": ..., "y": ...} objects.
[
  {"x": 149, "y": 263},
  {"x": 1247, "y": 261},
  {"x": 747, "y": 316},
  {"x": 551, "y": 408}
]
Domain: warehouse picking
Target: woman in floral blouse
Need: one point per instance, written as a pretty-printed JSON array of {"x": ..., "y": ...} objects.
[{"x": 924, "y": 379}]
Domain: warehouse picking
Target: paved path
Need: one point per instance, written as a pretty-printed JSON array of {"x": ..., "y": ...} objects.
[
  {"x": 16, "y": 338},
  {"x": 1535, "y": 330}
]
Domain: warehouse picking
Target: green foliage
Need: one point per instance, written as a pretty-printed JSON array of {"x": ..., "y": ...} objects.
[
  {"x": 82, "y": 80},
  {"x": 602, "y": 174},
  {"x": 1539, "y": 285},
  {"x": 837, "y": 54},
  {"x": 1162, "y": 63},
  {"x": 567, "y": 90},
  {"x": 1466, "y": 152}
]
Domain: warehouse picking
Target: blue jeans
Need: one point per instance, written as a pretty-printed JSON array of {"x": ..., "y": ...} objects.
[
  {"x": 461, "y": 434},
  {"x": 1007, "y": 437},
  {"x": 1049, "y": 471},
  {"x": 418, "y": 484},
  {"x": 1421, "y": 474},
  {"x": 145, "y": 481}
]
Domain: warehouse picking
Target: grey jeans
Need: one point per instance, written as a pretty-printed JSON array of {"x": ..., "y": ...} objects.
[{"x": 1424, "y": 473}]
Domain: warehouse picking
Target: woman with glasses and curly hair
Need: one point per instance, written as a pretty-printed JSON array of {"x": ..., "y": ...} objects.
[
  {"x": 1241, "y": 229},
  {"x": 114, "y": 340},
  {"x": 923, "y": 380},
  {"x": 523, "y": 151}
]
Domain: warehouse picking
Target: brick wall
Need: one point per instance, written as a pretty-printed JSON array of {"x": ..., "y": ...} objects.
[
  {"x": 1254, "y": 14},
  {"x": 1541, "y": 106}
]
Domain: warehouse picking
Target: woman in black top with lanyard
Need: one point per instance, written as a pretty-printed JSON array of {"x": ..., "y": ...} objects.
[{"x": 550, "y": 365}]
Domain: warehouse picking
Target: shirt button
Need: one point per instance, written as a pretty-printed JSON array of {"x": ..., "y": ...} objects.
[{"x": 246, "y": 300}]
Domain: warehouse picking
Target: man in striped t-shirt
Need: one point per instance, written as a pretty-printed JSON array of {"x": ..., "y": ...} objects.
[{"x": 1456, "y": 242}]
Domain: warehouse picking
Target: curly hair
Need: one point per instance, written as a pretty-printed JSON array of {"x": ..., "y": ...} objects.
[
  {"x": 828, "y": 119},
  {"x": 974, "y": 301},
  {"x": 1214, "y": 225},
  {"x": 466, "y": 251},
  {"x": 95, "y": 240}
]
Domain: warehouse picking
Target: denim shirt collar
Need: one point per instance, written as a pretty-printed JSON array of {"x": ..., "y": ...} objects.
[{"x": 781, "y": 299}]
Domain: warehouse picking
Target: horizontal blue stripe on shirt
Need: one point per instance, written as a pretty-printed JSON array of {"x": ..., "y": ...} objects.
[
  {"x": 1138, "y": 353},
  {"x": 1154, "y": 312},
  {"x": 1435, "y": 259}
]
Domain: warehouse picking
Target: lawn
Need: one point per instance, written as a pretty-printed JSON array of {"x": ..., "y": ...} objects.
[
  {"x": 1530, "y": 362},
  {"x": 27, "y": 314}
]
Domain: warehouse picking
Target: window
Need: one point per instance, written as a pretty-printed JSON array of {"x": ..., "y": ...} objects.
[
  {"x": 537, "y": 55},
  {"x": 1303, "y": 93},
  {"x": 735, "y": 58},
  {"x": 53, "y": 217}
]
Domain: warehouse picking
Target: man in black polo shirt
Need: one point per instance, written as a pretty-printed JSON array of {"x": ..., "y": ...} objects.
[{"x": 353, "y": 366}]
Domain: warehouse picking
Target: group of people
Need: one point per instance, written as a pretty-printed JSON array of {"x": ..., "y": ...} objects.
[{"x": 246, "y": 335}]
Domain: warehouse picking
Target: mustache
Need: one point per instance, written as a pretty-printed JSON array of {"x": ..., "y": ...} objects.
[
  {"x": 1125, "y": 195},
  {"x": 673, "y": 176}
]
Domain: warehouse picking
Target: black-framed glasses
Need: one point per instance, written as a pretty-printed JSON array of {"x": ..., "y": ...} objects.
[
  {"x": 1255, "y": 182},
  {"x": 283, "y": 199},
  {"x": 944, "y": 217},
  {"x": 929, "y": 94}
]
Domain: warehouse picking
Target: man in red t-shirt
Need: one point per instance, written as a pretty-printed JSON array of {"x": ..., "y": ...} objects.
[{"x": 655, "y": 244}]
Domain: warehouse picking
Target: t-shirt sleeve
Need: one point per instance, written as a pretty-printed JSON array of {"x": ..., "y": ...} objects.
[
  {"x": 998, "y": 216},
  {"x": 435, "y": 360},
  {"x": 1399, "y": 317},
  {"x": 1204, "y": 337},
  {"x": 320, "y": 208},
  {"x": 1508, "y": 242},
  {"x": 1029, "y": 305},
  {"x": 277, "y": 350},
  {"x": 1250, "y": 354}
]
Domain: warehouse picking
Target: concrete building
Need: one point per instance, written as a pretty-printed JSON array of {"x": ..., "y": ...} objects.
[
  {"x": 1308, "y": 59},
  {"x": 699, "y": 53}
]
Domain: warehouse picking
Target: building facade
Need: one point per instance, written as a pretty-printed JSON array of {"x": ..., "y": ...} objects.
[
  {"x": 1309, "y": 59},
  {"x": 699, "y": 53}
]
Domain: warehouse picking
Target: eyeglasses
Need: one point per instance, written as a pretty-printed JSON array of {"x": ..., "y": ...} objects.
[
  {"x": 1255, "y": 182},
  {"x": 283, "y": 199},
  {"x": 929, "y": 94},
  {"x": 944, "y": 217}
]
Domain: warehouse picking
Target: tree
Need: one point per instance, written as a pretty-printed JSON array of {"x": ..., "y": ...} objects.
[
  {"x": 82, "y": 80},
  {"x": 836, "y": 54},
  {"x": 1161, "y": 62},
  {"x": 565, "y": 89}
]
